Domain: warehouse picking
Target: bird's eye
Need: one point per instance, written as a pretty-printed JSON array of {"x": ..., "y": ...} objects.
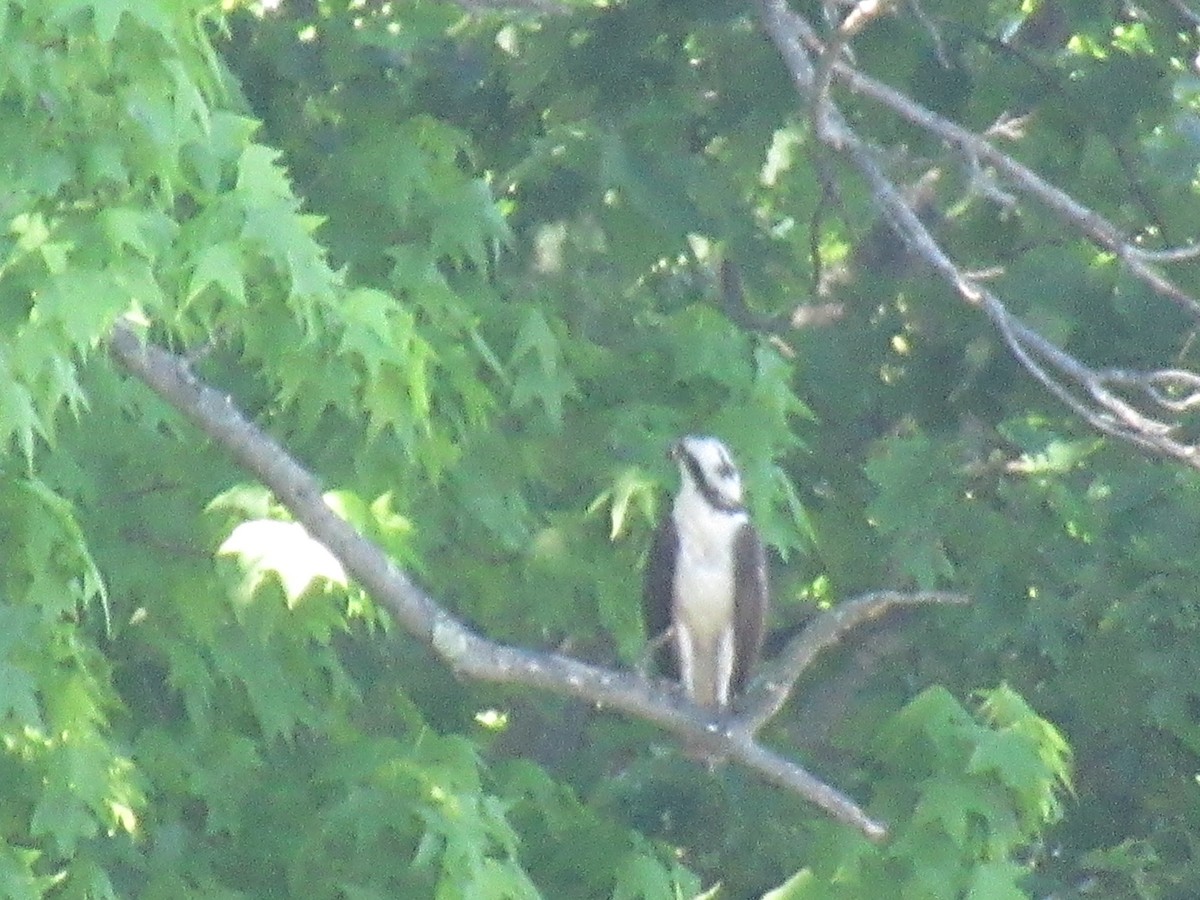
[{"x": 725, "y": 471}]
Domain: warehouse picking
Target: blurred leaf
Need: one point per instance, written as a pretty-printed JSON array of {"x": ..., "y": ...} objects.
[{"x": 285, "y": 549}]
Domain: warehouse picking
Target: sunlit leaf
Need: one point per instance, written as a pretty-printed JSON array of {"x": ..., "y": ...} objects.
[{"x": 285, "y": 549}]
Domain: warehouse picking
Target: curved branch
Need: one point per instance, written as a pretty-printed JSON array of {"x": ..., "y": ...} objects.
[
  {"x": 771, "y": 690},
  {"x": 465, "y": 651},
  {"x": 1171, "y": 254}
]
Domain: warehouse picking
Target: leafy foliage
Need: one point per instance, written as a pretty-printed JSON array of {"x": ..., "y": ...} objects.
[
  {"x": 468, "y": 268},
  {"x": 971, "y": 792}
]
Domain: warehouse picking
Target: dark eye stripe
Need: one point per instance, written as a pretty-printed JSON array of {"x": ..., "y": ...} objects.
[
  {"x": 725, "y": 469},
  {"x": 697, "y": 473}
]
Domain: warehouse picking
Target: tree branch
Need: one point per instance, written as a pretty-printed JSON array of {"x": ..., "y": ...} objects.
[
  {"x": 771, "y": 690},
  {"x": 536, "y": 7},
  {"x": 467, "y": 652},
  {"x": 1101, "y": 231},
  {"x": 1093, "y": 394},
  {"x": 1185, "y": 12}
]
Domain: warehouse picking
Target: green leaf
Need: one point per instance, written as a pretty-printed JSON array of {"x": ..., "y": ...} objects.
[
  {"x": 146, "y": 232},
  {"x": 219, "y": 265},
  {"x": 538, "y": 369},
  {"x": 640, "y": 876},
  {"x": 19, "y": 421},
  {"x": 62, "y": 817},
  {"x": 17, "y": 874},
  {"x": 801, "y": 886},
  {"x": 935, "y": 714},
  {"x": 651, "y": 186},
  {"x": 706, "y": 347},
  {"x": 276, "y": 697},
  {"x": 914, "y": 505},
  {"x": 1004, "y": 708},
  {"x": 85, "y": 303},
  {"x": 18, "y": 697},
  {"x": 469, "y": 225},
  {"x": 997, "y": 880},
  {"x": 260, "y": 178},
  {"x": 632, "y": 487},
  {"x": 273, "y": 222},
  {"x": 952, "y": 804}
]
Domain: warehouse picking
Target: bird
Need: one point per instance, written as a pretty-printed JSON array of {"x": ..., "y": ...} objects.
[{"x": 705, "y": 593}]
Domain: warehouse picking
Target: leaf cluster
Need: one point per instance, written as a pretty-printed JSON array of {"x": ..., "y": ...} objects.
[{"x": 474, "y": 270}]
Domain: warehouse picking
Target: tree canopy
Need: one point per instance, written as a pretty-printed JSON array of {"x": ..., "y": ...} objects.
[{"x": 341, "y": 345}]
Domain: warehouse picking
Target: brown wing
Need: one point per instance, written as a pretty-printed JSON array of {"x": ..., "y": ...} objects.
[
  {"x": 750, "y": 603},
  {"x": 658, "y": 591}
]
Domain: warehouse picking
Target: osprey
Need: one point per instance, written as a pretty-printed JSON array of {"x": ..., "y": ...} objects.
[{"x": 706, "y": 579}]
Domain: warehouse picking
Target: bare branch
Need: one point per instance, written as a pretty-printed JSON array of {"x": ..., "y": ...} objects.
[
  {"x": 1174, "y": 254},
  {"x": 983, "y": 184},
  {"x": 788, "y": 775},
  {"x": 1185, "y": 11},
  {"x": 859, "y": 17},
  {"x": 202, "y": 351},
  {"x": 771, "y": 690},
  {"x": 939, "y": 46},
  {"x": 465, "y": 651},
  {"x": 788, "y": 26},
  {"x": 1091, "y": 394},
  {"x": 539, "y": 7},
  {"x": 1172, "y": 389}
]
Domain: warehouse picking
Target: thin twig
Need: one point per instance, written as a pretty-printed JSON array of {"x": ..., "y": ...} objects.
[
  {"x": 1173, "y": 389},
  {"x": 939, "y": 46}
]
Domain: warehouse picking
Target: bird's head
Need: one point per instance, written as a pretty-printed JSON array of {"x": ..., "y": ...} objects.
[{"x": 706, "y": 464}]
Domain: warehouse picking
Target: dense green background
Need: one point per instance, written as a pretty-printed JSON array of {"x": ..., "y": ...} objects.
[{"x": 467, "y": 267}]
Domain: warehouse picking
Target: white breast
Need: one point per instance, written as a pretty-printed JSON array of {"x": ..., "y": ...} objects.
[{"x": 704, "y": 570}]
